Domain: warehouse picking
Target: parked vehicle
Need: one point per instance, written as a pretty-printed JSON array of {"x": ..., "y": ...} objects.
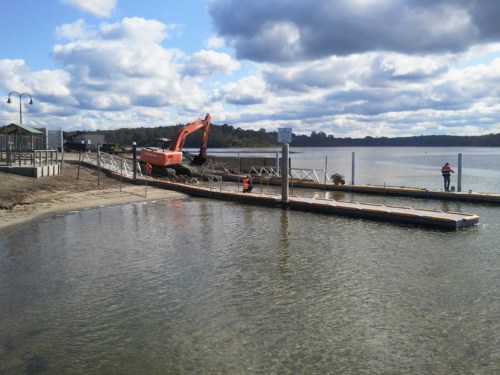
[
  {"x": 75, "y": 145},
  {"x": 112, "y": 148}
]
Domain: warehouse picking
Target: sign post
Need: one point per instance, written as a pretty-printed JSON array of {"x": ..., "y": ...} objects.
[{"x": 284, "y": 137}]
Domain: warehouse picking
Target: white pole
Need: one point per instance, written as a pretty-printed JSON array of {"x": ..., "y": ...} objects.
[
  {"x": 284, "y": 174},
  {"x": 353, "y": 167},
  {"x": 239, "y": 170},
  {"x": 277, "y": 163},
  {"x": 98, "y": 165},
  {"x": 459, "y": 177},
  {"x": 326, "y": 167}
]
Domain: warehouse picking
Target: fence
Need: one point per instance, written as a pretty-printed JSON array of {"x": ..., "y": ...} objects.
[{"x": 29, "y": 158}]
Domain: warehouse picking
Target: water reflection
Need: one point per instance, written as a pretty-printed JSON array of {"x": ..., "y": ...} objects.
[
  {"x": 200, "y": 286},
  {"x": 284, "y": 248}
]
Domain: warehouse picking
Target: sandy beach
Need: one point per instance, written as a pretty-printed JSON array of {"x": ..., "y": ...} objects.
[{"x": 23, "y": 199}]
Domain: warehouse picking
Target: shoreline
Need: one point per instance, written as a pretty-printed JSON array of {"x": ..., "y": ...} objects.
[{"x": 61, "y": 203}]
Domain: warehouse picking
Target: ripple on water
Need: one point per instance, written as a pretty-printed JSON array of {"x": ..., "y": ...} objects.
[{"x": 209, "y": 287}]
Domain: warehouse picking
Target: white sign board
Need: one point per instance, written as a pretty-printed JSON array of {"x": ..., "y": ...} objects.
[
  {"x": 285, "y": 135},
  {"x": 54, "y": 139}
]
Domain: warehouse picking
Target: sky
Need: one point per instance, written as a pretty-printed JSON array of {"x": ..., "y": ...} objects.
[{"x": 348, "y": 68}]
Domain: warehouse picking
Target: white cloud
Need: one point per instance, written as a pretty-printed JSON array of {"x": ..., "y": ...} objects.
[
  {"x": 401, "y": 66},
  {"x": 49, "y": 88},
  {"x": 125, "y": 58},
  {"x": 205, "y": 63},
  {"x": 72, "y": 31},
  {"x": 377, "y": 94},
  {"x": 134, "y": 29},
  {"x": 53, "y": 83},
  {"x": 100, "y": 8},
  {"x": 284, "y": 31},
  {"x": 215, "y": 42},
  {"x": 346, "y": 67},
  {"x": 250, "y": 90}
]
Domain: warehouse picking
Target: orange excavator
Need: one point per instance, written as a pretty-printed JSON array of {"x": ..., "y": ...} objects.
[{"x": 169, "y": 152}]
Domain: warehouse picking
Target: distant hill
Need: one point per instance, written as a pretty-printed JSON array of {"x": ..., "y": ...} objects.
[{"x": 226, "y": 136}]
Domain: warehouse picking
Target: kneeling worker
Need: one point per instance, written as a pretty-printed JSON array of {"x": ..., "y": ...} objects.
[{"x": 247, "y": 184}]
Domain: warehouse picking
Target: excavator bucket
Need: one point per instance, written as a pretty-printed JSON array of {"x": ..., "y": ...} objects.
[{"x": 199, "y": 160}]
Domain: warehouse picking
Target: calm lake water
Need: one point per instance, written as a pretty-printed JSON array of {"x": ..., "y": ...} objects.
[{"x": 194, "y": 286}]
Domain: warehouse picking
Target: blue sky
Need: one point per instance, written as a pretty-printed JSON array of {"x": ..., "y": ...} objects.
[{"x": 350, "y": 68}]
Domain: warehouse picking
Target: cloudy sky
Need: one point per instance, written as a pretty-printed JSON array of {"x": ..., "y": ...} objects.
[{"x": 345, "y": 67}]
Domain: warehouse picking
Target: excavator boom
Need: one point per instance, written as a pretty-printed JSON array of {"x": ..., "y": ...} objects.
[{"x": 178, "y": 142}]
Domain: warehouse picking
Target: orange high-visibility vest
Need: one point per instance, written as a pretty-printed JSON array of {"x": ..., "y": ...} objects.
[{"x": 446, "y": 169}]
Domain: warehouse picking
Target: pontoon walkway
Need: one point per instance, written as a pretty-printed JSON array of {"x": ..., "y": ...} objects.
[
  {"x": 378, "y": 189},
  {"x": 396, "y": 214}
]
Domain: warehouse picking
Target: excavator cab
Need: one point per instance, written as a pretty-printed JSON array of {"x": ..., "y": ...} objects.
[{"x": 163, "y": 143}]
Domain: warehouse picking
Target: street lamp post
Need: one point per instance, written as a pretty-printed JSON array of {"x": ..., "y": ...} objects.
[{"x": 20, "y": 103}]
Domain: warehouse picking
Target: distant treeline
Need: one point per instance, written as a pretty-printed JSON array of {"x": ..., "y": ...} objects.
[{"x": 226, "y": 136}]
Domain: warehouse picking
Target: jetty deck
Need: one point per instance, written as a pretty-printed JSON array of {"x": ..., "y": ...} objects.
[
  {"x": 400, "y": 191},
  {"x": 369, "y": 211}
]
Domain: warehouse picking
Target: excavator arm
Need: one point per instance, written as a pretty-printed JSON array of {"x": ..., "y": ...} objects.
[
  {"x": 204, "y": 139},
  {"x": 178, "y": 142}
]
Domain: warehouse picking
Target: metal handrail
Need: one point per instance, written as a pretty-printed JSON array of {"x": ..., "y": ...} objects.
[
  {"x": 317, "y": 175},
  {"x": 113, "y": 163}
]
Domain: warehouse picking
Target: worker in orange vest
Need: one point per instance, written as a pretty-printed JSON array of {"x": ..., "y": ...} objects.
[
  {"x": 247, "y": 184},
  {"x": 446, "y": 172},
  {"x": 149, "y": 168}
]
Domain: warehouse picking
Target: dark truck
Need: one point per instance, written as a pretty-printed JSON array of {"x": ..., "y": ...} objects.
[
  {"x": 75, "y": 146},
  {"x": 112, "y": 148}
]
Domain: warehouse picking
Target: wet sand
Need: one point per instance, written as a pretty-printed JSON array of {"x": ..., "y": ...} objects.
[{"x": 23, "y": 199}]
